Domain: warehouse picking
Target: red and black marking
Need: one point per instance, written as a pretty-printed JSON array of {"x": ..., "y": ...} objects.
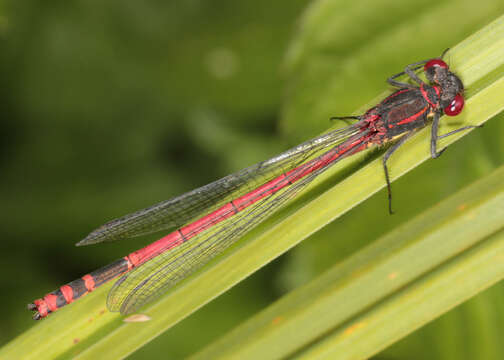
[
  {"x": 78, "y": 288},
  {"x": 401, "y": 112}
]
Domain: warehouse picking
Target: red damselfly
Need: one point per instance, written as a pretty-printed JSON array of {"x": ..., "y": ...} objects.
[{"x": 221, "y": 212}]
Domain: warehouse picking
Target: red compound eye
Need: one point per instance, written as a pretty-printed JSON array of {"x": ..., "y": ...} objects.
[
  {"x": 435, "y": 62},
  {"x": 455, "y": 106}
]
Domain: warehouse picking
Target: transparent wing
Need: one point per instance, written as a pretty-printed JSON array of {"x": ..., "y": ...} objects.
[
  {"x": 155, "y": 277},
  {"x": 184, "y": 208}
]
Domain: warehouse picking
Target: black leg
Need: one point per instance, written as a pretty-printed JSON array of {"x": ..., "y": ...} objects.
[
  {"x": 410, "y": 71},
  {"x": 400, "y": 84},
  {"x": 434, "y": 137},
  {"x": 444, "y": 53},
  {"x": 434, "y": 132},
  {"x": 460, "y": 129},
  {"x": 389, "y": 152},
  {"x": 345, "y": 118}
]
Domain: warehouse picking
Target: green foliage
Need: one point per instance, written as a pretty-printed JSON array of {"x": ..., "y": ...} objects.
[
  {"x": 387, "y": 290},
  {"x": 112, "y": 107}
]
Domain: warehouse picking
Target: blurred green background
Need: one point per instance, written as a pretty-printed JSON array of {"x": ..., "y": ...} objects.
[{"x": 108, "y": 107}]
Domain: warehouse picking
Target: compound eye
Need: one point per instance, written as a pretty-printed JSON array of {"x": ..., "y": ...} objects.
[
  {"x": 455, "y": 106},
  {"x": 435, "y": 62}
]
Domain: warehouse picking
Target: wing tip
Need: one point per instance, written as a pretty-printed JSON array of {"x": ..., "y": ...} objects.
[
  {"x": 85, "y": 242},
  {"x": 93, "y": 238}
]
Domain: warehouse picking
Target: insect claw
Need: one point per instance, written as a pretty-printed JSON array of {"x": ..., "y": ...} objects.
[{"x": 438, "y": 154}]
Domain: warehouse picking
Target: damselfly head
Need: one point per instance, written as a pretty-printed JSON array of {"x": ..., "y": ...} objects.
[{"x": 452, "y": 89}]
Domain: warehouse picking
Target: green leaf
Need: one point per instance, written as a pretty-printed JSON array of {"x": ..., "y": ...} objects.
[{"x": 400, "y": 282}]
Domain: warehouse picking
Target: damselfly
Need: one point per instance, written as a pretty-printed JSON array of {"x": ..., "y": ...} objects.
[{"x": 218, "y": 214}]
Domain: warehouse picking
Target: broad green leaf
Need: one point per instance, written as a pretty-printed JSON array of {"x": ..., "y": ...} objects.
[{"x": 403, "y": 280}]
